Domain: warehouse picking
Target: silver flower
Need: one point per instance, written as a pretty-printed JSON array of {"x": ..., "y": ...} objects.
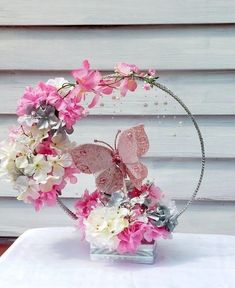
[
  {"x": 162, "y": 217},
  {"x": 46, "y": 118}
]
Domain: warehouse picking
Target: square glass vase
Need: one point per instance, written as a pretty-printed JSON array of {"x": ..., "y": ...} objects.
[{"x": 146, "y": 254}]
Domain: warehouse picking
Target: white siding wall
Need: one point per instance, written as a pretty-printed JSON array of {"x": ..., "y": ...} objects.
[{"x": 192, "y": 45}]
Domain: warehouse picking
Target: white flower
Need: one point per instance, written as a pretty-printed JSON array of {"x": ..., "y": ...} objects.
[
  {"x": 61, "y": 142},
  {"x": 51, "y": 181},
  {"x": 37, "y": 136},
  {"x": 58, "y": 83},
  {"x": 27, "y": 119},
  {"x": 27, "y": 187},
  {"x": 58, "y": 163},
  {"x": 21, "y": 161},
  {"x": 103, "y": 224},
  {"x": 39, "y": 169},
  {"x": 139, "y": 200},
  {"x": 8, "y": 153}
]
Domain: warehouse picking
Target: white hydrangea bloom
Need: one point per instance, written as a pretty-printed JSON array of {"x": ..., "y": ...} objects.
[{"x": 103, "y": 224}]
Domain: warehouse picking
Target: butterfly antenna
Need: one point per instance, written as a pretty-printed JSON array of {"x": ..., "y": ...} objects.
[
  {"x": 115, "y": 141},
  {"x": 98, "y": 141}
]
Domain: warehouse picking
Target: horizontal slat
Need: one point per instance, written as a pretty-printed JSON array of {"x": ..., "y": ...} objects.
[
  {"x": 90, "y": 12},
  {"x": 176, "y": 177},
  {"x": 169, "y": 137},
  {"x": 205, "y": 93},
  {"x": 200, "y": 47},
  {"x": 202, "y": 217}
]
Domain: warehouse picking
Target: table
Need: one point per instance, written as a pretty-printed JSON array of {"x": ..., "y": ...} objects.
[{"x": 56, "y": 257}]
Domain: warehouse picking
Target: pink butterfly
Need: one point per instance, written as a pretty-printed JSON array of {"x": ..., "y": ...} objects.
[{"x": 112, "y": 165}]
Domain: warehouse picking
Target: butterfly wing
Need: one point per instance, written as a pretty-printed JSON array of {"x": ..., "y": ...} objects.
[
  {"x": 127, "y": 146},
  {"x": 132, "y": 144},
  {"x": 91, "y": 158},
  {"x": 110, "y": 180},
  {"x": 137, "y": 172},
  {"x": 142, "y": 140}
]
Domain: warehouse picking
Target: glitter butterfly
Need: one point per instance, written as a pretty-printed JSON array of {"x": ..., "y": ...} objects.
[{"x": 111, "y": 165}]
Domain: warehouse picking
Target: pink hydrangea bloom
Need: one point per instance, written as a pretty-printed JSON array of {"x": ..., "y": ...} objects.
[
  {"x": 32, "y": 97},
  {"x": 130, "y": 238},
  {"x": 70, "y": 112},
  {"x": 87, "y": 203},
  {"x": 151, "y": 233},
  {"x": 136, "y": 234}
]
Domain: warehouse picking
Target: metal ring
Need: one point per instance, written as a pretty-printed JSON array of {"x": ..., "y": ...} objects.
[{"x": 203, "y": 158}]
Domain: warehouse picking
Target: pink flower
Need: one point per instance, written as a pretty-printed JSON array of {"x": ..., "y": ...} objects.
[
  {"x": 147, "y": 86},
  {"x": 45, "y": 198},
  {"x": 70, "y": 112},
  {"x": 87, "y": 79},
  {"x": 130, "y": 238},
  {"x": 126, "y": 69},
  {"x": 134, "y": 193},
  {"x": 54, "y": 99},
  {"x": 152, "y": 72},
  {"x": 68, "y": 174},
  {"x": 106, "y": 86},
  {"x": 155, "y": 193},
  {"x": 127, "y": 84},
  {"x": 151, "y": 233},
  {"x": 87, "y": 203},
  {"x": 45, "y": 148},
  {"x": 136, "y": 212},
  {"x": 32, "y": 97}
]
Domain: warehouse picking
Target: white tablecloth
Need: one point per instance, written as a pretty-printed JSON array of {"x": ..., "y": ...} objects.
[{"x": 55, "y": 257}]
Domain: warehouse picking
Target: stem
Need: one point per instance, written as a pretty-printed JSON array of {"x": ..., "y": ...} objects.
[
  {"x": 66, "y": 209},
  {"x": 66, "y": 85}
]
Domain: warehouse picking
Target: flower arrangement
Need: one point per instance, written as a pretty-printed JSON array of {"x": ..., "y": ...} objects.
[
  {"x": 39, "y": 159},
  {"x": 123, "y": 222}
]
